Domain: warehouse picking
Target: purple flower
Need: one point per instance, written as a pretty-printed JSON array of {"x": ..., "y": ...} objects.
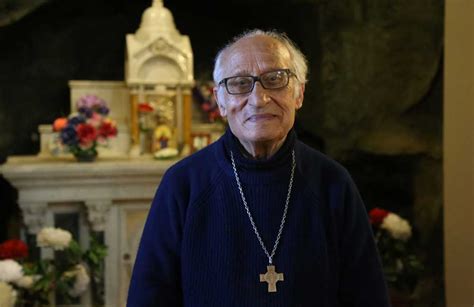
[
  {"x": 90, "y": 102},
  {"x": 76, "y": 120},
  {"x": 103, "y": 110},
  {"x": 87, "y": 112},
  {"x": 69, "y": 136}
]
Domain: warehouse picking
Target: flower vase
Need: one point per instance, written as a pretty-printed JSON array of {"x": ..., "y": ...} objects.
[{"x": 85, "y": 156}]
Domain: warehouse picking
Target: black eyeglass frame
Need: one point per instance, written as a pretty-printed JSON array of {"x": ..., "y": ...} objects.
[{"x": 258, "y": 78}]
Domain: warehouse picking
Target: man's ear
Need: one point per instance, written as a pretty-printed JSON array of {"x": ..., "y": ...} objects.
[
  {"x": 300, "y": 96},
  {"x": 221, "y": 106}
]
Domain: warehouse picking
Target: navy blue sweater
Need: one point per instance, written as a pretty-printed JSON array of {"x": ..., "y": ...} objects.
[{"x": 199, "y": 249}]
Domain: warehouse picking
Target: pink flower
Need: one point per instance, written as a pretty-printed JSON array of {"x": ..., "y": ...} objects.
[
  {"x": 89, "y": 102},
  {"x": 95, "y": 120}
]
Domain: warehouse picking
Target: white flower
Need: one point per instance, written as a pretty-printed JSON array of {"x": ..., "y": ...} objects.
[
  {"x": 7, "y": 295},
  {"x": 26, "y": 281},
  {"x": 10, "y": 270},
  {"x": 56, "y": 238},
  {"x": 397, "y": 227},
  {"x": 81, "y": 281}
]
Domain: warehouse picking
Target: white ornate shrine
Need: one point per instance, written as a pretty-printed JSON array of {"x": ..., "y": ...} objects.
[
  {"x": 113, "y": 194},
  {"x": 157, "y": 53},
  {"x": 159, "y": 71}
]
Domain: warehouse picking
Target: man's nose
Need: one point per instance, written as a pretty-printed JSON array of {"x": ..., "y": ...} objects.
[{"x": 259, "y": 96}]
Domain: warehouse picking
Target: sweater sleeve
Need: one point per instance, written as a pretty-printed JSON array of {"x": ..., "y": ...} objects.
[
  {"x": 156, "y": 274},
  {"x": 362, "y": 281}
]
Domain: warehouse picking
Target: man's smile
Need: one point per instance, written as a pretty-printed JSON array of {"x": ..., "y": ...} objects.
[{"x": 261, "y": 117}]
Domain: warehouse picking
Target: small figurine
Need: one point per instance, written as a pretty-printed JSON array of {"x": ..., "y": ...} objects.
[{"x": 161, "y": 137}]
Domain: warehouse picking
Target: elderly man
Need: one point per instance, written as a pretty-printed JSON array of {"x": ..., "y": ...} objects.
[{"x": 258, "y": 218}]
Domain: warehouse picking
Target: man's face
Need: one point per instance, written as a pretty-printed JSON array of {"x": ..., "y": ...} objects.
[{"x": 263, "y": 115}]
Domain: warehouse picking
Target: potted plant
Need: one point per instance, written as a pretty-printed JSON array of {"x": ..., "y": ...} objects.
[
  {"x": 81, "y": 132},
  {"x": 401, "y": 266},
  {"x": 35, "y": 282}
]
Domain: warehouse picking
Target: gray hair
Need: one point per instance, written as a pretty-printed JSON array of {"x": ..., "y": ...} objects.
[{"x": 299, "y": 63}]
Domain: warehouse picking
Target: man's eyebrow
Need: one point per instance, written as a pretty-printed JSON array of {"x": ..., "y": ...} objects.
[
  {"x": 240, "y": 73},
  {"x": 244, "y": 72}
]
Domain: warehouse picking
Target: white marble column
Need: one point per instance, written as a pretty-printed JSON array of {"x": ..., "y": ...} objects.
[
  {"x": 98, "y": 212},
  {"x": 180, "y": 115},
  {"x": 34, "y": 215}
]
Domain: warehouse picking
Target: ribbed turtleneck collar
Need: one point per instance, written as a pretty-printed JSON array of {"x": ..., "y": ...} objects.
[{"x": 277, "y": 167}]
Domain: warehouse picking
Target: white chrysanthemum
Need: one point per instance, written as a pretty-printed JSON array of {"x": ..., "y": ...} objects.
[
  {"x": 81, "y": 281},
  {"x": 56, "y": 238},
  {"x": 398, "y": 228},
  {"x": 26, "y": 281},
  {"x": 10, "y": 270},
  {"x": 7, "y": 295}
]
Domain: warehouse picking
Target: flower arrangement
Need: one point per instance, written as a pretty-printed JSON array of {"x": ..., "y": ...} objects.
[
  {"x": 29, "y": 282},
  {"x": 81, "y": 132},
  {"x": 392, "y": 234}
]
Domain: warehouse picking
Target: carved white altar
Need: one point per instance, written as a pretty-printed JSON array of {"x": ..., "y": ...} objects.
[{"x": 115, "y": 196}]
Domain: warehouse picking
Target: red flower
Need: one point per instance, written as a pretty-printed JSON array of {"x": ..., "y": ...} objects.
[
  {"x": 13, "y": 249},
  {"x": 86, "y": 133},
  {"x": 145, "y": 107},
  {"x": 107, "y": 129},
  {"x": 206, "y": 106},
  {"x": 377, "y": 216},
  {"x": 215, "y": 114}
]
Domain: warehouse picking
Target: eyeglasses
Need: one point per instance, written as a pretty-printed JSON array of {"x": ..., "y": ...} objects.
[{"x": 271, "y": 80}]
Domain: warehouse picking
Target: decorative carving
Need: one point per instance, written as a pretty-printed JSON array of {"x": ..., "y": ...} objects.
[
  {"x": 97, "y": 213},
  {"x": 34, "y": 216},
  {"x": 160, "y": 46},
  {"x": 158, "y": 42}
]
